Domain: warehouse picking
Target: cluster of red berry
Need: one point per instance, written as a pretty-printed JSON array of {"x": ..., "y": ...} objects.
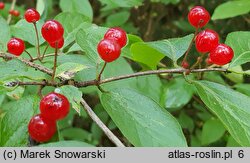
[
  {"x": 11, "y": 12},
  {"x": 109, "y": 48},
  {"x": 53, "y": 107},
  {"x": 52, "y": 32},
  {"x": 207, "y": 41}
]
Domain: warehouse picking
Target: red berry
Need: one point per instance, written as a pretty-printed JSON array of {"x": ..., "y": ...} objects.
[
  {"x": 185, "y": 64},
  {"x": 2, "y": 5},
  {"x": 31, "y": 15},
  {"x": 52, "y": 31},
  {"x": 41, "y": 129},
  {"x": 198, "y": 16},
  {"x": 117, "y": 34},
  {"x": 11, "y": 12},
  {"x": 14, "y": 13},
  {"x": 54, "y": 106},
  {"x": 59, "y": 43},
  {"x": 222, "y": 54},
  {"x": 109, "y": 50},
  {"x": 16, "y": 46},
  {"x": 206, "y": 41}
]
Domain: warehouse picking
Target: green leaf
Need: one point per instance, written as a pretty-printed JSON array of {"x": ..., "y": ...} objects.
[
  {"x": 17, "y": 69},
  {"x": 177, "y": 94},
  {"x": 74, "y": 96},
  {"x": 231, "y": 9},
  {"x": 243, "y": 88},
  {"x": 166, "y": 2},
  {"x": 14, "y": 130},
  {"x": 26, "y": 31},
  {"x": 143, "y": 53},
  {"x": 131, "y": 40},
  {"x": 88, "y": 39},
  {"x": 76, "y": 20},
  {"x": 69, "y": 69},
  {"x": 212, "y": 131},
  {"x": 80, "y": 6},
  {"x": 142, "y": 121},
  {"x": 110, "y": 71},
  {"x": 117, "y": 19},
  {"x": 67, "y": 144},
  {"x": 111, "y": 4},
  {"x": 4, "y": 34},
  {"x": 186, "y": 121},
  {"x": 76, "y": 134},
  {"x": 232, "y": 143},
  {"x": 231, "y": 107},
  {"x": 150, "y": 86},
  {"x": 240, "y": 42},
  {"x": 235, "y": 77},
  {"x": 16, "y": 94},
  {"x": 150, "y": 53}
]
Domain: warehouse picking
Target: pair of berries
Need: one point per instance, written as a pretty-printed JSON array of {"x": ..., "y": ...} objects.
[
  {"x": 109, "y": 48},
  {"x": 207, "y": 41},
  {"x": 53, "y": 107},
  {"x": 15, "y": 13},
  {"x": 11, "y": 12},
  {"x": 16, "y": 46},
  {"x": 52, "y": 31}
]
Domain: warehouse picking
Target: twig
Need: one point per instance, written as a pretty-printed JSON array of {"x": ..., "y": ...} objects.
[
  {"x": 30, "y": 64},
  {"x": 180, "y": 71},
  {"x": 104, "y": 128},
  {"x": 190, "y": 45},
  {"x": 11, "y": 8},
  {"x": 95, "y": 82},
  {"x": 48, "y": 55},
  {"x": 31, "y": 58},
  {"x": 100, "y": 74},
  {"x": 37, "y": 42},
  {"x": 55, "y": 63},
  {"x": 45, "y": 51}
]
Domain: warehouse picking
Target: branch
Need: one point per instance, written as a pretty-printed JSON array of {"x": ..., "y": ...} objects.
[
  {"x": 104, "y": 128},
  {"x": 31, "y": 64},
  {"x": 96, "y": 82},
  {"x": 180, "y": 71}
]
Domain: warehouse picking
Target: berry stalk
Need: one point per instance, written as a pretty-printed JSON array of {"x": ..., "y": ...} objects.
[
  {"x": 37, "y": 42},
  {"x": 11, "y": 8},
  {"x": 190, "y": 45},
  {"x": 31, "y": 58},
  {"x": 55, "y": 63},
  {"x": 100, "y": 74}
]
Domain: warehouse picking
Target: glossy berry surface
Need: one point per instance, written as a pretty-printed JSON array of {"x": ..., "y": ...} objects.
[
  {"x": 2, "y": 5},
  {"x": 185, "y": 64},
  {"x": 109, "y": 50},
  {"x": 31, "y": 15},
  {"x": 206, "y": 41},
  {"x": 118, "y": 34},
  {"x": 198, "y": 16},
  {"x": 41, "y": 129},
  {"x": 52, "y": 31},
  {"x": 54, "y": 106},
  {"x": 59, "y": 44},
  {"x": 16, "y": 46},
  {"x": 222, "y": 54}
]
